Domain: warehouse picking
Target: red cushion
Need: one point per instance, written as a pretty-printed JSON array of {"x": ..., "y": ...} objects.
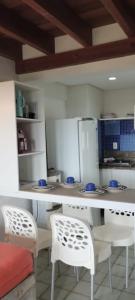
[{"x": 16, "y": 263}]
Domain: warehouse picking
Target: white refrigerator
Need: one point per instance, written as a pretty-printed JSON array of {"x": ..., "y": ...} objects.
[{"x": 72, "y": 147}]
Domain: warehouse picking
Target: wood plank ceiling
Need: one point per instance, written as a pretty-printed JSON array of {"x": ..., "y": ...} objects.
[{"x": 38, "y": 22}]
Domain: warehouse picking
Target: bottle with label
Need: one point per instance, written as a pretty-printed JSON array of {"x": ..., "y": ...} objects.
[
  {"x": 21, "y": 147},
  {"x": 25, "y": 144}
]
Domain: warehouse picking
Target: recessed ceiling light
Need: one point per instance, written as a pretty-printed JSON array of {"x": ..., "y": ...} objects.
[{"x": 112, "y": 78}]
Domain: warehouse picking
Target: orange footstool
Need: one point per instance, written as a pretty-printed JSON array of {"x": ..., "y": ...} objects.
[{"x": 16, "y": 263}]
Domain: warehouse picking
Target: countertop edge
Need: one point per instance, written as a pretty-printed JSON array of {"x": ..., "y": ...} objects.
[{"x": 117, "y": 201}]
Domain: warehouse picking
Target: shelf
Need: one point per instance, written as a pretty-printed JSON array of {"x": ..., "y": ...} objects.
[
  {"x": 30, "y": 153},
  {"x": 114, "y": 119},
  {"x": 27, "y": 120}
]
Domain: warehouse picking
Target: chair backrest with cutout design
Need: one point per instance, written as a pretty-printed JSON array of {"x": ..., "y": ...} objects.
[
  {"x": 72, "y": 242},
  {"x": 20, "y": 227}
]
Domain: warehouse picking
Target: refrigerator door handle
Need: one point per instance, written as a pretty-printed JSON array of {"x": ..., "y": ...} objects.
[
  {"x": 87, "y": 139},
  {"x": 83, "y": 140}
]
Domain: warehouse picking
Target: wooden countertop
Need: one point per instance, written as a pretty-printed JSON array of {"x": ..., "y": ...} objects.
[{"x": 120, "y": 200}]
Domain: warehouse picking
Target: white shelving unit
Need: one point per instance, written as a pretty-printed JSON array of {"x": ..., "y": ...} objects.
[
  {"x": 27, "y": 120},
  {"x": 30, "y": 153},
  {"x": 31, "y": 165}
]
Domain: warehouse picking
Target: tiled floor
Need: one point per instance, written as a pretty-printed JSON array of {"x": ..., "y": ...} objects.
[{"x": 66, "y": 287}]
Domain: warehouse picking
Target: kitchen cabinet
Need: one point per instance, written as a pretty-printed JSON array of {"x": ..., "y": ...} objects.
[
  {"x": 124, "y": 176},
  {"x": 29, "y": 165}
]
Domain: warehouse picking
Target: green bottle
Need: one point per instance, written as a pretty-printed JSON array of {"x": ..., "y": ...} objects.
[{"x": 19, "y": 103}]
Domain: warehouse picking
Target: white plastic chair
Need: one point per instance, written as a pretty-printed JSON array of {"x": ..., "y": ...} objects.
[
  {"x": 21, "y": 228},
  {"x": 118, "y": 230},
  {"x": 72, "y": 243},
  {"x": 83, "y": 213}
]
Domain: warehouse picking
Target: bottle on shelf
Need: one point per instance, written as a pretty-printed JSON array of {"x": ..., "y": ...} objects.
[
  {"x": 32, "y": 110},
  {"x": 19, "y": 103},
  {"x": 26, "y": 111},
  {"x": 22, "y": 142}
]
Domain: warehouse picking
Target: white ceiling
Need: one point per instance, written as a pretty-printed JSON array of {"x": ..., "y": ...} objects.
[
  {"x": 125, "y": 79},
  {"x": 96, "y": 74}
]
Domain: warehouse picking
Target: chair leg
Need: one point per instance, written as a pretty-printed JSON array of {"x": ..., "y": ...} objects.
[
  {"x": 53, "y": 280},
  {"x": 49, "y": 256},
  {"x": 92, "y": 287},
  {"x": 59, "y": 268},
  {"x": 126, "y": 267},
  {"x": 77, "y": 274},
  {"x": 110, "y": 272}
]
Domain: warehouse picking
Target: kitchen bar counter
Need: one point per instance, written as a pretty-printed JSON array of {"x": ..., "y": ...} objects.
[{"x": 121, "y": 200}]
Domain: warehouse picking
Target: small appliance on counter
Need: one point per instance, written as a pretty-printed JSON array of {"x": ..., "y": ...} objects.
[{"x": 54, "y": 175}]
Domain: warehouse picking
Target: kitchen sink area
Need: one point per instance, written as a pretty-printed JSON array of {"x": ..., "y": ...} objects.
[{"x": 121, "y": 163}]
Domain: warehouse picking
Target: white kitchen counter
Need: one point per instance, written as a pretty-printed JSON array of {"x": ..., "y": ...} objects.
[{"x": 121, "y": 200}]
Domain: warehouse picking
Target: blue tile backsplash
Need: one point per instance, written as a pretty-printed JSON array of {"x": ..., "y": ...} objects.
[
  {"x": 116, "y": 131},
  {"x": 112, "y": 128}
]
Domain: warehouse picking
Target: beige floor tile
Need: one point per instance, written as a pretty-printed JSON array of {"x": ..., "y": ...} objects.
[
  {"x": 74, "y": 296},
  {"x": 99, "y": 277},
  {"x": 59, "y": 294},
  {"x": 105, "y": 293},
  {"x": 83, "y": 288},
  {"x": 117, "y": 282},
  {"x": 132, "y": 276},
  {"x": 121, "y": 260},
  {"x": 118, "y": 270},
  {"x": 45, "y": 276},
  {"x": 40, "y": 288},
  {"x": 126, "y": 296},
  {"x": 66, "y": 282},
  {"x": 131, "y": 287}
]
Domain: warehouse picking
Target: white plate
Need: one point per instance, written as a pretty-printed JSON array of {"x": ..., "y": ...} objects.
[
  {"x": 98, "y": 192},
  {"x": 69, "y": 185},
  {"x": 118, "y": 189},
  {"x": 43, "y": 188}
]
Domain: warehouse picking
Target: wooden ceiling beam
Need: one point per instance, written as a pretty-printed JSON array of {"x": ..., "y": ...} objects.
[
  {"x": 25, "y": 32},
  {"x": 76, "y": 57},
  {"x": 60, "y": 15},
  {"x": 10, "y": 49},
  {"x": 121, "y": 15}
]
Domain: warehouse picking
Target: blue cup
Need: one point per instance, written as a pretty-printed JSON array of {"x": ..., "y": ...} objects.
[
  {"x": 90, "y": 187},
  {"x": 42, "y": 182},
  {"x": 113, "y": 183},
  {"x": 70, "y": 180}
]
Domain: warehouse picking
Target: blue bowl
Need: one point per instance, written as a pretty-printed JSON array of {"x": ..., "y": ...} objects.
[
  {"x": 113, "y": 183},
  {"x": 42, "y": 182},
  {"x": 70, "y": 180},
  {"x": 90, "y": 187}
]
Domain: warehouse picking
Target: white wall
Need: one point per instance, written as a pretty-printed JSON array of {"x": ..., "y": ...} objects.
[
  {"x": 55, "y": 101},
  {"x": 120, "y": 101},
  {"x": 7, "y": 69},
  {"x": 84, "y": 101}
]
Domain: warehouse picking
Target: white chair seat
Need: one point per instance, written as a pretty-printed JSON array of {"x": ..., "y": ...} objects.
[
  {"x": 44, "y": 238},
  {"x": 117, "y": 235},
  {"x": 102, "y": 251}
]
